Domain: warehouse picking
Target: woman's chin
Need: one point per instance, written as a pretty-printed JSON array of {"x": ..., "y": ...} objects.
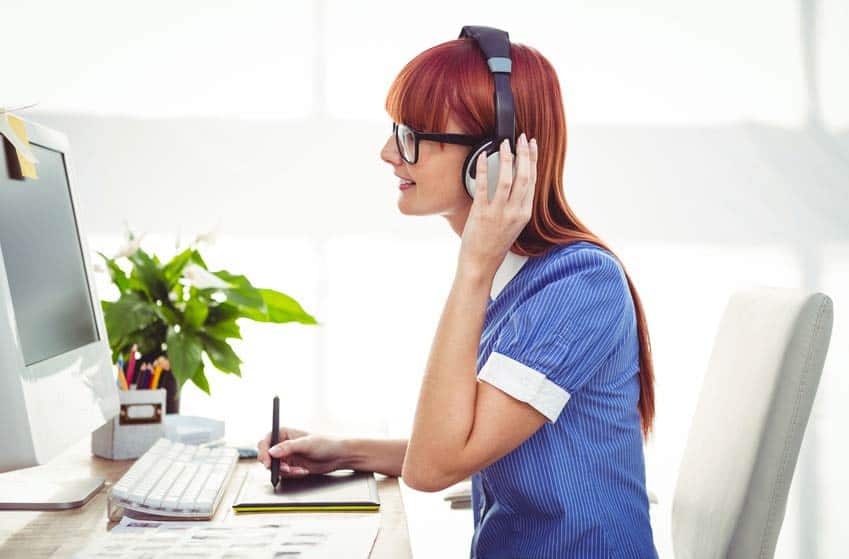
[{"x": 406, "y": 207}]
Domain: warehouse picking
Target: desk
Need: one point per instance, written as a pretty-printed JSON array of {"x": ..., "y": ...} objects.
[{"x": 57, "y": 534}]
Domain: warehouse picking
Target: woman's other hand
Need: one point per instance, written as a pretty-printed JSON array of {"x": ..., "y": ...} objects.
[
  {"x": 494, "y": 225},
  {"x": 302, "y": 453}
]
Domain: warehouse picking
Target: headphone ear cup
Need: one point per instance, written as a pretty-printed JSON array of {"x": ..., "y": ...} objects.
[
  {"x": 493, "y": 167},
  {"x": 470, "y": 165}
]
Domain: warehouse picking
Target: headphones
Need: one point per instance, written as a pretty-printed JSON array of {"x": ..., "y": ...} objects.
[{"x": 495, "y": 45}]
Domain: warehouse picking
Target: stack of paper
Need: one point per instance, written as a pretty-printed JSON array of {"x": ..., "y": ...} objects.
[
  {"x": 271, "y": 537},
  {"x": 190, "y": 429}
]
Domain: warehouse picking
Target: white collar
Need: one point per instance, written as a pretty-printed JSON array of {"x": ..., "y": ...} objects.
[{"x": 506, "y": 271}]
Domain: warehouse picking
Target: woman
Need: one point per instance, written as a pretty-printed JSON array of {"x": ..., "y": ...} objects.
[{"x": 539, "y": 383}]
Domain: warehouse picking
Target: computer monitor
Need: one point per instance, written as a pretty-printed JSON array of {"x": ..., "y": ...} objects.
[{"x": 57, "y": 382}]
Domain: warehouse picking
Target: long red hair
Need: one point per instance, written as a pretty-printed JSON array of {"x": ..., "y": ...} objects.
[{"x": 453, "y": 79}]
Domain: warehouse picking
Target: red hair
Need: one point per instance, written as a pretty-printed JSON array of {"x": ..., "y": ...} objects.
[{"x": 452, "y": 79}]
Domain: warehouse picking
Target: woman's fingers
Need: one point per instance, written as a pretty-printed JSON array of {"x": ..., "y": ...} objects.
[
  {"x": 290, "y": 447},
  {"x": 298, "y": 472},
  {"x": 285, "y": 433},
  {"x": 505, "y": 173},
  {"x": 520, "y": 184},
  {"x": 262, "y": 451},
  {"x": 287, "y": 469},
  {"x": 528, "y": 200},
  {"x": 481, "y": 179}
]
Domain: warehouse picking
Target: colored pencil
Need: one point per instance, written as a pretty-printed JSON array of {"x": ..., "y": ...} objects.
[
  {"x": 157, "y": 372},
  {"x": 122, "y": 380},
  {"x": 141, "y": 382},
  {"x": 131, "y": 367}
]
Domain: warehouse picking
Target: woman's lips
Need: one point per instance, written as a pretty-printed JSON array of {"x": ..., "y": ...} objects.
[{"x": 406, "y": 185}]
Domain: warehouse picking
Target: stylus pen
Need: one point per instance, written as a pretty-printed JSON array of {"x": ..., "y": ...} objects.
[{"x": 275, "y": 438}]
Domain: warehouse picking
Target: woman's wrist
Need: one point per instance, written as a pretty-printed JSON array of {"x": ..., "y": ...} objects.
[
  {"x": 475, "y": 275},
  {"x": 374, "y": 455},
  {"x": 353, "y": 456}
]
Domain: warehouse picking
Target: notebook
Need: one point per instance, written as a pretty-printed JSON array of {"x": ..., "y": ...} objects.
[{"x": 343, "y": 490}]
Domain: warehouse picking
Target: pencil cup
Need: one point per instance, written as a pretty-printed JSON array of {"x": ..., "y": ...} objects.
[{"x": 137, "y": 426}]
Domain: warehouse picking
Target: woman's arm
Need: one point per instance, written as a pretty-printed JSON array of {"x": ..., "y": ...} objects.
[
  {"x": 462, "y": 425},
  {"x": 303, "y": 453},
  {"x": 376, "y": 455}
]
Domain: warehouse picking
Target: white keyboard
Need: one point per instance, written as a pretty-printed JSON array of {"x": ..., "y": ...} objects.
[{"x": 176, "y": 479}]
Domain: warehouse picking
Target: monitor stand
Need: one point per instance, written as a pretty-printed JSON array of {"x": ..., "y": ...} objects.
[{"x": 19, "y": 492}]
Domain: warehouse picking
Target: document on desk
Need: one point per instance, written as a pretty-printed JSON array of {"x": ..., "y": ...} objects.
[
  {"x": 341, "y": 490},
  {"x": 272, "y": 537}
]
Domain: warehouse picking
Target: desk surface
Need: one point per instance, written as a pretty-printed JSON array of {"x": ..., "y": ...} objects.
[{"x": 63, "y": 533}]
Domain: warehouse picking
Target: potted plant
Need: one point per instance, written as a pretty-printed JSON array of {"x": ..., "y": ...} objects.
[{"x": 181, "y": 309}]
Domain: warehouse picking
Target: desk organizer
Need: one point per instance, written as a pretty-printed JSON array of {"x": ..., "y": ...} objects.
[{"x": 136, "y": 427}]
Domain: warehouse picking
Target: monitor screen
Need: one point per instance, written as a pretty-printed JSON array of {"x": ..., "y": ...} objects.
[{"x": 44, "y": 260}]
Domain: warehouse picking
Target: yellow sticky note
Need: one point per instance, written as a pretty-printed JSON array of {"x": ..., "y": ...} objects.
[{"x": 20, "y": 130}]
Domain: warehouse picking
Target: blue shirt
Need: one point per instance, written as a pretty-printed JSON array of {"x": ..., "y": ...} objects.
[{"x": 560, "y": 334}]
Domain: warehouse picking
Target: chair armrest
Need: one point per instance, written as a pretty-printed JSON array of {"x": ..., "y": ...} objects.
[
  {"x": 653, "y": 500},
  {"x": 460, "y": 495}
]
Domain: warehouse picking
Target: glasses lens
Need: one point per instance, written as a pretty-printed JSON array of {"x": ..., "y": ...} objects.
[{"x": 406, "y": 143}]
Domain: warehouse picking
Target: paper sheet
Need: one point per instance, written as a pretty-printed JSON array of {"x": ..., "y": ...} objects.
[
  {"x": 266, "y": 536},
  {"x": 190, "y": 429},
  {"x": 14, "y": 130}
]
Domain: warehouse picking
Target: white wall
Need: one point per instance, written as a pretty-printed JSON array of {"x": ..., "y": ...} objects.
[{"x": 695, "y": 137}]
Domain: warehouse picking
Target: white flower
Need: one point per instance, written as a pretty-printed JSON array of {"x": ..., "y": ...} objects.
[
  {"x": 129, "y": 248},
  {"x": 210, "y": 236},
  {"x": 203, "y": 279}
]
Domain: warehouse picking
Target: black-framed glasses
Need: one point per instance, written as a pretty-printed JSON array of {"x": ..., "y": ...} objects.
[{"x": 407, "y": 139}]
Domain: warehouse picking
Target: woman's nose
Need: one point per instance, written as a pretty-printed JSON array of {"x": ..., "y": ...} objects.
[{"x": 389, "y": 152}]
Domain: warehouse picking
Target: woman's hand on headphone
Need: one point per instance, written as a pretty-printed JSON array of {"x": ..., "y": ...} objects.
[{"x": 494, "y": 225}]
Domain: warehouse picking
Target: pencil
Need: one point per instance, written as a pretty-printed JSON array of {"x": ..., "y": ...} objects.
[
  {"x": 131, "y": 366},
  {"x": 122, "y": 380},
  {"x": 143, "y": 377},
  {"x": 157, "y": 371}
]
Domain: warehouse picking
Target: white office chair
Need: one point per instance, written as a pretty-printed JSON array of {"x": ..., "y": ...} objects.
[
  {"x": 745, "y": 436},
  {"x": 754, "y": 405}
]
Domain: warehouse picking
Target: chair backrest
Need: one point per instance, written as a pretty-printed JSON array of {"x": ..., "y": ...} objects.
[{"x": 756, "y": 397}]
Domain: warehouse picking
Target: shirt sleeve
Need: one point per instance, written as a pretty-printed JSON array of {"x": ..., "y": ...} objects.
[{"x": 556, "y": 340}]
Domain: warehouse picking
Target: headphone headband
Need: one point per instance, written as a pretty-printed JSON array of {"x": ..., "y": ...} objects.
[{"x": 495, "y": 45}]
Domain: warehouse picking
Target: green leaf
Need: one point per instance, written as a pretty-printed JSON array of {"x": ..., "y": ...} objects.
[
  {"x": 119, "y": 278},
  {"x": 199, "y": 379},
  {"x": 244, "y": 295},
  {"x": 150, "y": 275},
  {"x": 174, "y": 269},
  {"x": 195, "y": 313},
  {"x": 168, "y": 314},
  {"x": 222, "y": 313},
  {"x": 224, "y": 329},
  {"x": 197, "y": 259},
  {"x": 221, "y": 355},
  {"x": 282, "y": 308},
  {"x": 184, "y": 352},
  {"x": 127, "y": 315},
  {"x": 149, "y": 340}
]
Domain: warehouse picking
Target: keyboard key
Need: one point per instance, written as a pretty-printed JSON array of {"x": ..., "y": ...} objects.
[{"x": 176, "y": 479}]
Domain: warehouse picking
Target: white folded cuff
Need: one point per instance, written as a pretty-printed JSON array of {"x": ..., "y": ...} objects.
[{"x": 525, "y": 384}]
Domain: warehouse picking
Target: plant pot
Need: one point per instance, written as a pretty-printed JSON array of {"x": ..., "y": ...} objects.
[
  {"x": 166, "y": 381},
  {"x": 172, "y": 392}
]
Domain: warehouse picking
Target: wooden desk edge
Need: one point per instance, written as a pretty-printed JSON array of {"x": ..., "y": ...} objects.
[{"x": 63, "y": 533}]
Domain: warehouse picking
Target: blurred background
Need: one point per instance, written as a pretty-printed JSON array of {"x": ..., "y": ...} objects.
[{"x": 708, "y": 145}]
